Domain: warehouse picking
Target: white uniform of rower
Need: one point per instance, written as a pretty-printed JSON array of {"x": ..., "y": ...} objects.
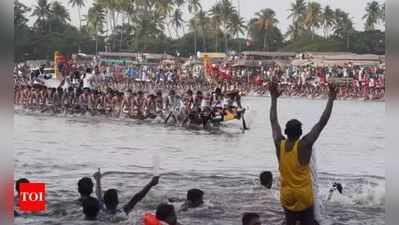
[
  {"x": 87, "y": 81},
  {"x": 67, "y": 83}
]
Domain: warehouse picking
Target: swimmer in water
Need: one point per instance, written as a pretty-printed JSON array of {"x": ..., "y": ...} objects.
[
  {"x": 91, "y": 208},
  {"x": 195, "y": 199},
  {"x": 110, "y": 198},
  {"x": 335, "y": 187},
  {"x": 166, "y": 213},
  {"x": 266, "y": 179},
  {"x": 17, "y": 189},
  {"x": 85, "y": 188},
  {"x": 251, "y": 219},
  {"x": 294, "y": 155}
]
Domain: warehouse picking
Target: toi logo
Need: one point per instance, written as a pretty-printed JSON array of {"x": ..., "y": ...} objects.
[{"x": 32, "y": 197}]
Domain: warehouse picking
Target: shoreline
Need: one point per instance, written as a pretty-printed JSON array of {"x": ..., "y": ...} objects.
[{"x": 362, "y": 99}]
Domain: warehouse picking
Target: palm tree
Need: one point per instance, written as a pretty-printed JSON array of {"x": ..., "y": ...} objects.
[
  {"x": 290, "y": 34},
  {"x": 20, "y": 10},
  {"x": 95, "y": 21},
  {"x": 59, "y": 13},
  {"x": 265, "y": 21},
  {"x": 203, "y": 21},
  {"x": 313, "y": 17},
  {"x": 164, "y": 7},
  {"x": 222, "y": 13},
  {"x": 178, "y": 3},
  {"x": 216, "y": 18},
  {"x": 327, "y": 20},
  {"x": 372, "y": 15},
  {"x": 78, "y": 4},
  {"x": 42, "y": 12},
  {"x": 343, "y": 28},
  {"x": 297, "y": 14},
  {"x": 193, "y": 26},
  {"x": 236, "y": 26},
  {"x": 193, "y": 5},
  {"x": 177, "y": 20}
]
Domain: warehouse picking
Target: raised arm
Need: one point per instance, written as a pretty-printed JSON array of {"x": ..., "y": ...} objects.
[
  {"x": 276, "y": 129},
  {"x": 309, "y": 139},
  {"x": 140, "y": 195},
  {"x": 97, "y": 177}
]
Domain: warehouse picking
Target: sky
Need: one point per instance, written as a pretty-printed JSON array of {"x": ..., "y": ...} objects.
[{"x": 248, "y": 8}]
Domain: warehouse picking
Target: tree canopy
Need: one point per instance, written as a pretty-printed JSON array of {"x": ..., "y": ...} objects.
[{"x": 159, "y": 26}]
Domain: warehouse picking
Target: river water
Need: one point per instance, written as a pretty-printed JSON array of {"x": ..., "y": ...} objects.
[{"x": 224, "y": 163}]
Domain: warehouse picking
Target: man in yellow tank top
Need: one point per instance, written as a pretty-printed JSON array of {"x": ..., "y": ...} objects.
[{"x": 294, "y": 153}]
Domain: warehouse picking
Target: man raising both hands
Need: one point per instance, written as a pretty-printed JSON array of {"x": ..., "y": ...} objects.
[{"x": 294, "y": 153}]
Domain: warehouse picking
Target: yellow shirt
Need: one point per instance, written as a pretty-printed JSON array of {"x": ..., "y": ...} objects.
[{"x": 296, "y": 192}]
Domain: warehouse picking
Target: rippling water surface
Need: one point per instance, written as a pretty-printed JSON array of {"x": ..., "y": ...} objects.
[{"x": 225, "y": 163}]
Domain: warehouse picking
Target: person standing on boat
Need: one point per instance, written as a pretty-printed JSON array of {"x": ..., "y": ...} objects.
[{"x": 294, "y": 155}]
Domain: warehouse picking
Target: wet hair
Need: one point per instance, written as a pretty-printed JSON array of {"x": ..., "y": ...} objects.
[
  {"x": 19, "y": 182},
  {"x": 164, "y": 211},
  {"x": 91, "y": 207},
  {"x": 266, "y": 179},
  {"x": 111, "y": 199},
  {"x": 293, "y": 129},
  {"x": 248, "y": 217},
  {"x": 195, "y": 195},
  {"x": 85, "y": 186}
]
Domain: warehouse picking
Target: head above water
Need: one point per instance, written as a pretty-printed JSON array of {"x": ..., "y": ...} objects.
[
  {"x": 266, "y": 179},
  {"x": 251, "y": 219},
  {"x": 111, "y": 200},
  {"x": 91, "y": 207},
  {"x": 85, "y": 186},
  {"x": 166, "y": 213},
  {"x": 195, "y": 197},
  {"x": 293, "y": 129},
  {"x": 19, "y": 182}
]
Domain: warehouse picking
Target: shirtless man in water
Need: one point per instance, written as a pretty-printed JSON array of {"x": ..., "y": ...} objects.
[{"x": 294, "y": 154}]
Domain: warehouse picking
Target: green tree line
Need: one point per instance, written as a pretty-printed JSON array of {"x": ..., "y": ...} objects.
[{"x": 159, "y": 26}]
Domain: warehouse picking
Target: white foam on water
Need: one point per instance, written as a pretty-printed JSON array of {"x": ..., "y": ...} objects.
[{"x": 370, "y": 195}]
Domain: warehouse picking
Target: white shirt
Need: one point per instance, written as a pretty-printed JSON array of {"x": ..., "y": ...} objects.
[{"x": 87, "y": 81}]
